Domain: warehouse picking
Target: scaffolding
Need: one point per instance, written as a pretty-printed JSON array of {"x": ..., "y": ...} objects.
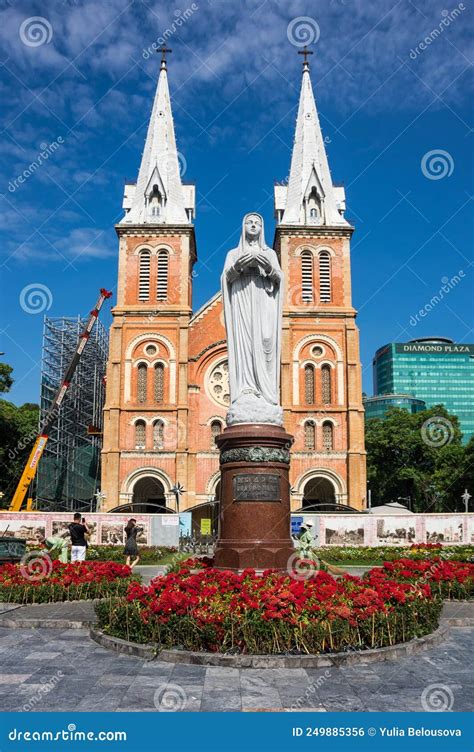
[{"x": 69, "y": 471}]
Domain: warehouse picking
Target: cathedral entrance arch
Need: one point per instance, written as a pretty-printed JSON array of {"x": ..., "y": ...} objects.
[
  {"x": 323, "y": 491},
  {"x": 149, "y": 496},
  {"x": 145, "y": 491},
  {"x": 318, "y": 490}
]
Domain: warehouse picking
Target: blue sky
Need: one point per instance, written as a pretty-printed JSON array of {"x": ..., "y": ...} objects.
[{"x": 79, "y": 83}]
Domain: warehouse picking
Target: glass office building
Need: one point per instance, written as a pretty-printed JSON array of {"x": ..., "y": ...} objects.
[
  {"x": 435, "y": 370},
  {"x": 376, "y": 407}
]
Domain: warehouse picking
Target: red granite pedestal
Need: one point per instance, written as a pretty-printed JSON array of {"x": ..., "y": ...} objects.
[{"x": 255, "y": 498}]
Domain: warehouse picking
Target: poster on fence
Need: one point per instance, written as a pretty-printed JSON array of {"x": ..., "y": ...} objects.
[
  {"x": 27, "y": 525},
  {"x": 395, "y": 530},
  {"x": 444, "y": 529},
  {"x": 347, "y": 530}
]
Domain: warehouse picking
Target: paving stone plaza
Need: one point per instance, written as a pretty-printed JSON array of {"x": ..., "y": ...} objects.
[{"x": 62, "y": 669}]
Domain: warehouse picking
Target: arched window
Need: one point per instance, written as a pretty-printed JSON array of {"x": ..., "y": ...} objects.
[
  {"x": 159, "y": 382},
  {"x": 162, "y": 277},
  {"x": 326, "y": 389},
  {"x": 307, "y": 277},
  {"x": 325, "y": 277},
  {"x": 216, "y": 428},
  {"x": 158, "y": 434},
  {"x": 328, "y": 436},
  {"x": 314, "y": 208},
  {"x": 310, "y": 435},
  {"x": 142, "y": 377},
  {"x": 155, "y": 202},
  {"x": 309, "y": 384},
  {"x": 140, "y": 434},
  {"x": 144, "y": 260}
]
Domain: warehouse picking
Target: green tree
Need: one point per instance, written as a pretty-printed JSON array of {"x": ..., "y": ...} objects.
[
  {"x": 6, "y": 379},
  {"x": 463, "y": 480},
  {"x": 18, "y": 431},
  {"x": 416, "y": 457}
]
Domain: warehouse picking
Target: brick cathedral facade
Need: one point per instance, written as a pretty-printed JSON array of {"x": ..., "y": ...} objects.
[{"x": 167, "y": 381}]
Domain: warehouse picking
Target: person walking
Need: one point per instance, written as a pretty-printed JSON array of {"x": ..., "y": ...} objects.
[
  {"x": 131, "y": 548},
  {"x": 78, "y": 531}
]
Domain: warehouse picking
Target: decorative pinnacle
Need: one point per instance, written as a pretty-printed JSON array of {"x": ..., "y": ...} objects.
[
  {"x": 163, "y": 51},
  {"x": 305, "y": 52}
]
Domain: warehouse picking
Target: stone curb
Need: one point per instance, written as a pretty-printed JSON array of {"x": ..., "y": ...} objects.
[
  {"x": 44, "y": 623},
  {"x": 461, "y": 621},
  {"x": 33, "y": 623},
  {"x": 123, "y": 646},
  {"x": 393, "y": 652}
]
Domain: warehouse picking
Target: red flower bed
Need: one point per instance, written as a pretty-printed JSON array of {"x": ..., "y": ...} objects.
[
  {"x": 274, "y": 613},
  {"x": 449, "y": 579},
  {"x": 40, "y": 580}
]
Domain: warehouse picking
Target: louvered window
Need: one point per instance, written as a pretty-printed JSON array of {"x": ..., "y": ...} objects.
[
  {"x": 328, "y": 436},
  {"x": 307, "y": 277},
  {"x": 326, "y": 390},
  {"x": 158, "y": 434},
  {"x": 309, "y": 384},
  {"x": 144, "y": 275},
  {"x": 140, "y": 434},
  {"x": 325, "y": 277},
  {"x": 162, "y": 279},
  {"x": 142, "y": 374},
  {"x": 309, "y": 435},
  {"x": 216, "y": 428},
  {"x": 159, "y": 385}
]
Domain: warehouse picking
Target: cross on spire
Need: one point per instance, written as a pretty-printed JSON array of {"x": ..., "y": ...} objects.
[
  {"x": 305, "y": 52},
  {"x": 163, "y": 51}
]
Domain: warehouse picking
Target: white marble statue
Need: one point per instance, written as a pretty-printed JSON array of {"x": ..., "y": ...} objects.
[{"x": 252, "y": 291}]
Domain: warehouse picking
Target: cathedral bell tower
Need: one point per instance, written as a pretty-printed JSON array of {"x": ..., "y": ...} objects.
[
  {"x": 321, "y": 371},
  {"x": 145, "y": 417}
]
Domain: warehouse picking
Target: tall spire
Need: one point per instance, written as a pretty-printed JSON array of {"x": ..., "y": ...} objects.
[
  {"x": 310, "y": 198},
  {"x": 159, "y": 197}
]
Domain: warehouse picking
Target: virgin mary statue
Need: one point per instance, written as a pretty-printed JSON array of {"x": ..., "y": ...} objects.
[{"x": 251, "y": 289}]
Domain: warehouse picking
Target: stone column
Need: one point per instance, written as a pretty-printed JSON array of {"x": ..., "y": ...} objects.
[{"x": 255, "y": 497}]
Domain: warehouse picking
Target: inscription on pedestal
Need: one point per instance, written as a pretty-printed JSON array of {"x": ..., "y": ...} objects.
[{"x": 253, "y": 487}]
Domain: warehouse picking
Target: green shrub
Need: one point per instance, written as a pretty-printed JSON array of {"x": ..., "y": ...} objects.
[{"x": 148, "y": 554}]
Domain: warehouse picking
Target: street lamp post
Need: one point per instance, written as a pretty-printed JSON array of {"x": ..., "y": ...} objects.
[{"x": 405, "y": 498}]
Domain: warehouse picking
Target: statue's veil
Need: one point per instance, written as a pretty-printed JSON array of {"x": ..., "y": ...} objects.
[{"x": 242, "y": 247}]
